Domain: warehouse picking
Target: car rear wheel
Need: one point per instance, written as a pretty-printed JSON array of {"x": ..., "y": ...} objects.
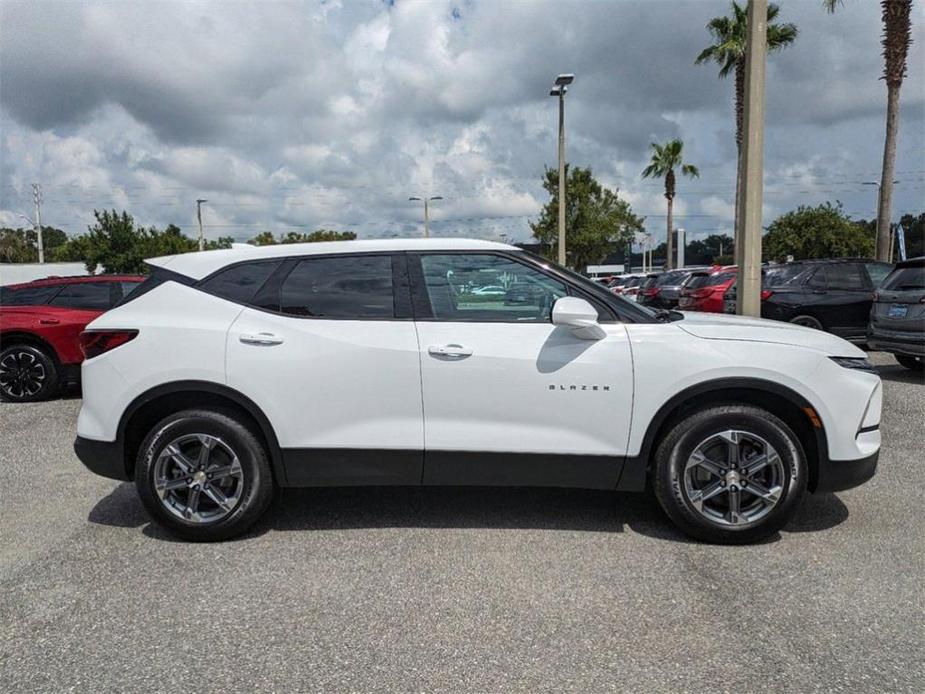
[
  {"x": 27, "y": 374},
  {"x": 730, "y": 474},
  {"x": 807, "y": 321},
  {"x": 910, "y": 362},
  {"x": 204, "y": 475}
]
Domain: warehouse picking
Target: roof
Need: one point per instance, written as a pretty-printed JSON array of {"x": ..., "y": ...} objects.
[
  {"x": 74, "y": 279},
  {"x": 912, "y": 262},
  {"x": 201, "y": 264}
]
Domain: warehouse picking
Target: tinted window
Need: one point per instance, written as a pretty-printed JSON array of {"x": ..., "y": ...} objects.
[
  {"x": 778, "y": 275},
  {"x": 906, "y": 279},
  {"x": 240, "y": 282},
  {"x": 92, "y": 296},
  {"x": 455, "y": 287},
  {"x": 671, "y": 278},
  {"x": 846, "y": 276},
  {"x": 878, "y": 272},
  {"x": 128, "y": 287},
  {"x": 27, "y": 296},
  {"x": 696, "y": 280},
  {"x": 346, "y": 287},
  {"x": 718, "y": 278}
]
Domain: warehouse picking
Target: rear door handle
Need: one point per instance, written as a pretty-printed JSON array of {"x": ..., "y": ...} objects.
[
  {"x": 456, "y": 351},
  {"x": 49, "y": 321},
  {"x": 261, "y": 339}
]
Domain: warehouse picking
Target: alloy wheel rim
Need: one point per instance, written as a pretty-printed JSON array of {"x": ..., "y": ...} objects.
[
  {"x": 21, "y": 374},
  {"x": 198, "y": 478},
  {"x": 734, "y": 478}
]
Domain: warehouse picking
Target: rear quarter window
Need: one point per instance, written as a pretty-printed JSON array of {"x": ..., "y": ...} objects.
[
  {"x": 906, "y": 279},
  {"x": 28, "y": 296},
  {"x": 240, "y": 283}
]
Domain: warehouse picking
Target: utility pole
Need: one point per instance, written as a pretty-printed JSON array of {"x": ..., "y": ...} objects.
[
  {"x": 682, "y": 240},
  {"x": 37, "y": 200},
  {"x": 748, "y": 246},
  {"x": 202, "y": 243},
  {"x": 559, "y": 90},
  {"x": 426, "y": 211}
]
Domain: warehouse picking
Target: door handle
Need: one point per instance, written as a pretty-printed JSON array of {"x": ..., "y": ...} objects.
[
  {"x": 261, "y": 339},
  {"x": 455, "y": 351},
  {"x": 49, "y": 321}
]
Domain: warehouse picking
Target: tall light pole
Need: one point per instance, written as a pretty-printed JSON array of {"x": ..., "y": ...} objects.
[
  {"x": 202, "y": 243},
  {"x": 426, "y": 211},
  {"x": 877, "y": 225},
  {"x": 37, "y": 199},
  {"x": 559, "y": 90},
  {"x": 682, "y": 241},
  {"x": 748, "y": 243}
]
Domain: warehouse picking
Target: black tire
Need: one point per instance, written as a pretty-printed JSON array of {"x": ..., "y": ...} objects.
[
  {"x": 683, "y": 439},
  {"x": 911, "y": 363},
  {"x": 16, "y": 386},
  {"x": 807, "y": 321},
  {"x": 256, "y": 480}
]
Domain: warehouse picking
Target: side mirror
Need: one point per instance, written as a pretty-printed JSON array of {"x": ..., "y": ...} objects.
[{"x": 579, "y": 315}]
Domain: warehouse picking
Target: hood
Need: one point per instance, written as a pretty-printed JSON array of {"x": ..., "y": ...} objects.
[{"x": 718, "y": 326}]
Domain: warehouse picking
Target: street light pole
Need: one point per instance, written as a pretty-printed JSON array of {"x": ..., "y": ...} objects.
[
  {"x": 426, "y": 211},
  {"x": 37, "y": 199},
  {"x": 748, "y": 245},
  {"x": 202, "y": 244},
  {"x": 559, "y": 90}
]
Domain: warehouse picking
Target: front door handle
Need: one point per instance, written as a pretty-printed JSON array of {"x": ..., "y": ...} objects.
[
  {"x": 49, "y": 321},
  {"x": 455, "y": 351},
  {"x": 261, "y": 339}
]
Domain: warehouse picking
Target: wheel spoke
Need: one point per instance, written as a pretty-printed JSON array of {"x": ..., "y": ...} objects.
[
  {"x": 698, "y": 459},
  {"x": 192, "y": 505},
  {"x": 769, "y": 496},
  {"x": 698, "y": 496},
  {"x": 182, "y": 462},
  {"x": 218, "y": 497},
  {"x": 735, "y": 509},
  {"x": 232, "y": 470},
  {"x": 171, "y": 485},
  {"x": 206, "y": 444}
]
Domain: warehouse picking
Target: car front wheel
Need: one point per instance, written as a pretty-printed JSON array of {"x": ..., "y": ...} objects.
[
  {"x": 730, "y": 474},
  {"x": 204, "y": 475}
]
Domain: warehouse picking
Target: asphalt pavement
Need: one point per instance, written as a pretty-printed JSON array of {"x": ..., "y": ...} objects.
[{"x": 445, "y": 590}]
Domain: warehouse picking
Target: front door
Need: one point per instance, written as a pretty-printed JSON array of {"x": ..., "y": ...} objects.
[
  {"x": 331, "y": 357},
  {"x": 508, "y": 397}
]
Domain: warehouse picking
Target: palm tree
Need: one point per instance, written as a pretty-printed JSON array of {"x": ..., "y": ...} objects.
[
  {"x": 730, "y": 34},
  {"x": 897, "y": 35},
  {"x": 728, "y": 49},
  {"x": 665, "y": 159}
]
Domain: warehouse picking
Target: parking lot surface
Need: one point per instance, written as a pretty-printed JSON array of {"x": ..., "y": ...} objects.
[{"x": 431, "y": 589}]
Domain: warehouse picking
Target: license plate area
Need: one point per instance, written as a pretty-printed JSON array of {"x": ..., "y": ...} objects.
[{"x": 897, "y": 311}]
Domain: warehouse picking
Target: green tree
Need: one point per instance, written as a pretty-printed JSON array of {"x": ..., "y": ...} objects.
[
  {"x": 665, "y": 160},
  {"x": 897, "y": 36},
  {"x": 823, "y": 231},
  {"x": 706, "y": 251},
  {"x": 729, "y": 36},
  {"x": 596, "y": 218},
  {"x": 266, "y": 238},
  {"x": 21, "y": 245}
]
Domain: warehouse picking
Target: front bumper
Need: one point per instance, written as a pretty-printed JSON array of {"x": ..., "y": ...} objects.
[
  {"x": 838, "y": 475},
  {"x": 105, "y": 458}
]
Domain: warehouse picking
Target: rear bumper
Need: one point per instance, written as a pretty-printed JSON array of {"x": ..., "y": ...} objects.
[
  {"x": 885, "y": 342},
  {"x": 838, "y": 475},
  {"x": 105, "y": 458}
]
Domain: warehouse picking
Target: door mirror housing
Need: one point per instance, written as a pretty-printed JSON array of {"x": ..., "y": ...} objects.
[{"x": 578, "y": 315}]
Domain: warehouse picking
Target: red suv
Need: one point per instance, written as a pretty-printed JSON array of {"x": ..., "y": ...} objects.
[
  {"x": 703, "y": 291},
  {"x": 40, "y": 325}
]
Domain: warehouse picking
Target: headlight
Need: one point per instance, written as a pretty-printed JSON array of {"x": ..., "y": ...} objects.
[{"x": 857, "y": 363}]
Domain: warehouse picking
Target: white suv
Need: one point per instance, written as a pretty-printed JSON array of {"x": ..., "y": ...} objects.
[{"x": 230, "y": 373}]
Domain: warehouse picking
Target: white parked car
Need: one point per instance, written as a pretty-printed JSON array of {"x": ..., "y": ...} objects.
[{"x": 230, "y": 373}]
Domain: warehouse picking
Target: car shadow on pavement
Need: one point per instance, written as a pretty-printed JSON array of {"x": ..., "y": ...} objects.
[
  {"x": 349, "y": 508},
  {"x": 900, "y": 374}
]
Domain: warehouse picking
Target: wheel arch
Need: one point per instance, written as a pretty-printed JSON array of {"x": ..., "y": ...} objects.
[
  {"x": 23, "y": 337},
  {"x": 790, "y": 406},
  {"x": 153, "y": 405}
]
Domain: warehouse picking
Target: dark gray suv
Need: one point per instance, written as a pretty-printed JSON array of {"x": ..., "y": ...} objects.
[{"x": 897, "y": 317}]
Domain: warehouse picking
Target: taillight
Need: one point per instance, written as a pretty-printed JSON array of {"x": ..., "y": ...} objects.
[
  {"x": 702, "y": 293},
  {"x": 651, "y": 291},
  {"x": 766, "y": 294},
  {"x": 875, "y": 297},
  {"x": 93, "y": 343}
]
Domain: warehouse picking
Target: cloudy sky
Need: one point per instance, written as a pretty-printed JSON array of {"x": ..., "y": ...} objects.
[{"x": 300, "y": 115}]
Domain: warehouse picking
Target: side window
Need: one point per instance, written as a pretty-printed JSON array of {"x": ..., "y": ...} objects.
[
  {"x": 240, "y": 282},
  {"x": 482, "y": 287},
  {"x": 819, "y": 279},
  {"x": 128, "y": 287},
  {"x": 846, "y": 276},
  {"x": 878, "y": 272},
  {"x": 27, "y": 296},
  {"x": 358, "y": 287},
  {"x": 92, "y": 296}
]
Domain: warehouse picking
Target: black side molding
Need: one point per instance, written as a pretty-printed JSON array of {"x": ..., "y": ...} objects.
[{"x": 838, "y": 475}]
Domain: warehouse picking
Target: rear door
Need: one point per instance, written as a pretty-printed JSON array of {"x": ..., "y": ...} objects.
[
  {"x": 510, "y": 398},
  {"x": 65, "y": 316},
  {"x": 848, "y": 299},
  {"x": 328, "y": 350}
]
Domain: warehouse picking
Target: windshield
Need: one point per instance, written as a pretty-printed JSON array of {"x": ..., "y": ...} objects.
[
  {"x": 596, "y": 289},
  {"x": 671, "y": 278}
]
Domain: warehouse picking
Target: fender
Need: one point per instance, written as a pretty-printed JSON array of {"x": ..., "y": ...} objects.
[
  {"x": 212, "y": 388},
  {"x": 635, "y": 468}
]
